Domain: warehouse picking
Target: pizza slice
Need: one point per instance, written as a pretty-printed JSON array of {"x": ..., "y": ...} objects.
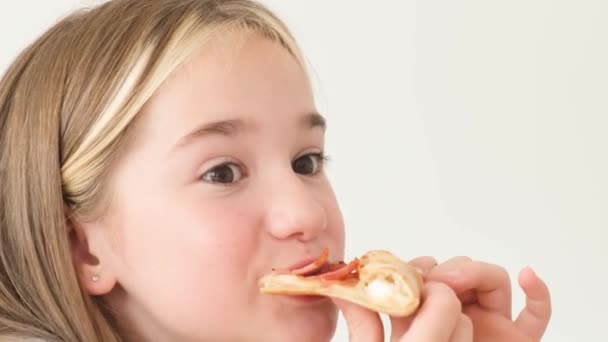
[{"x": 378, "y": 280}]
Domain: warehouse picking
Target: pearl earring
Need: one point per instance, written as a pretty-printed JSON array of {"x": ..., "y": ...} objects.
[{"x": 95, "y": 278}]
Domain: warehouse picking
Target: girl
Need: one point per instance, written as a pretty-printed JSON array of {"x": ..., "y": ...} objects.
[{"x": 157, "y": 157}]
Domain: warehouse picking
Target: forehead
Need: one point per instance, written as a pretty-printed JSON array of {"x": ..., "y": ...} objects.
[{"x": 234, "y": 73}]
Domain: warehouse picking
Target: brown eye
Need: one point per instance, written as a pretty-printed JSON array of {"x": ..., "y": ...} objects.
[
  {"x": 223, "y": 174},
  {"x": 309, "y": 164}
]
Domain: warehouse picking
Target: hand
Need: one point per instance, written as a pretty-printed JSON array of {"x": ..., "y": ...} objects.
[
  {"x": 439, "y": 318},
  {"x": 485, "y": 292}
]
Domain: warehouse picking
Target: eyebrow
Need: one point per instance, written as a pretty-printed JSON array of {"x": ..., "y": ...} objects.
[
  {"x": 230, "y": 128},
  {"x": 315, "y": 120}
]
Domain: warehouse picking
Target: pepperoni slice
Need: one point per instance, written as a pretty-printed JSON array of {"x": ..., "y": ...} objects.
[
  {"x": 341, "y": 273},
  {"x": 334, "y": 267},
  {"x": 314, "y": 266}
]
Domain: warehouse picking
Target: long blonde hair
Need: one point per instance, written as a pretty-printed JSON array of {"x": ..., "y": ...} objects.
[{"x": 66, "y": 105}]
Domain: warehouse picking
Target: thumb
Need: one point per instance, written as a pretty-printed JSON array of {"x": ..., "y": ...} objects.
[{"x": 363, "y": 325}]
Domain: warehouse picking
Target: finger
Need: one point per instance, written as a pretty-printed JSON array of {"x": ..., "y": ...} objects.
[
  {"x": 424, "y": 264},
  {"x": 453, "y": 263},
  {"x": 490, "y": 283},
  {"x": 448, "y": 266},
  {"x": 463, "y": 331},
  {"x": 466, "y": 297},
  {"x": 399, "y": 325},
  {"x": 437, "y": 318},
  {"x": 534, "y": 318},
  {"x": 363, "y": 325}
]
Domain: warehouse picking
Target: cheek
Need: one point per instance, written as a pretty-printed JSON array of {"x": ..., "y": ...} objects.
[
  {"x": 194, "y": 233},
  {"x": 335, "y": 221},
  {"x": 188, "y": 263}
]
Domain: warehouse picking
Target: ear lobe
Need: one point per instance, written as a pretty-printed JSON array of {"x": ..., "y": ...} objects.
[{"x": 94, "y": 278}]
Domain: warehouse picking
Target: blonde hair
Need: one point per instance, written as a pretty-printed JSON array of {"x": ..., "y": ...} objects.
[{"x": 66, "y": 105}]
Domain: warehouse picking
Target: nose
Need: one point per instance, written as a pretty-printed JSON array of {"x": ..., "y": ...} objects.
[{"x": 293, "y": 210}]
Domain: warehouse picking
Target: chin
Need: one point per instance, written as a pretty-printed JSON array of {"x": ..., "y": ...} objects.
[{"x": 308, "y": 323}]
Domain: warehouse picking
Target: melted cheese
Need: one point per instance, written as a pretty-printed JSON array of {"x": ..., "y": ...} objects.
[{"x": 379, "y": 288}]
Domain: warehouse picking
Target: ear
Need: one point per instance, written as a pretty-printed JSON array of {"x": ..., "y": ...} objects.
[{"x": 95, "y": 276}]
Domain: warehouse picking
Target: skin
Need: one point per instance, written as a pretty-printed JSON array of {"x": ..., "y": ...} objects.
[{"x": 196, "y": 219}]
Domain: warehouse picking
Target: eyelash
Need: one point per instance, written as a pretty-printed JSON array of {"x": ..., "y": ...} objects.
[{"x": 321, "y": 158}]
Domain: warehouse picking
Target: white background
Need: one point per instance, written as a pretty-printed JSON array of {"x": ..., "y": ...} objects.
[{"x": 461, "y": 127}]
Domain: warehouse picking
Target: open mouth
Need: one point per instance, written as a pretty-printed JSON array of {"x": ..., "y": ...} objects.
[{"x": 323, "y": 269}]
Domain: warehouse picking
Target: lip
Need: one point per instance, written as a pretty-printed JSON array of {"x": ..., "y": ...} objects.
[{"x": 302, "y": 263}]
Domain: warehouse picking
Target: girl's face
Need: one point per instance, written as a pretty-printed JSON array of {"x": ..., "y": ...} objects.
[{"x": 222, "y": 182}]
